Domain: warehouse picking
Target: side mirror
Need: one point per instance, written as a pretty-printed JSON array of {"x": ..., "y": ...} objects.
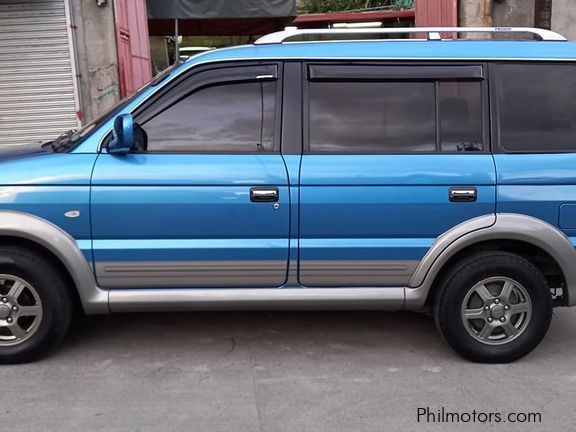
[{"x": 123, "y": 135}]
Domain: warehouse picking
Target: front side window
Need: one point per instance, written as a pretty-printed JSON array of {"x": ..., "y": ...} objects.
[
  {"x": 396, "y": 116},
  {"x": 537, "y": 107},
  {"x": 231, "y": 117}
]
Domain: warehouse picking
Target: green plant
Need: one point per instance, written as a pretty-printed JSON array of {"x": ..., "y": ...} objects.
[
  {"x": 327, "y": 6},
  {"x": 404, "y": 4}
]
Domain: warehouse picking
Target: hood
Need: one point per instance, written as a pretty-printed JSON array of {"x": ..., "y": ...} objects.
[
  {"x": 46, "y": 168},
  {"x": 8, "y": 151}
]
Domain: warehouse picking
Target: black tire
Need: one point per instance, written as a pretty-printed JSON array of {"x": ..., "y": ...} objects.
[
  {"x": 456, "y": 287},
  {"x": 55, "y": 297}
]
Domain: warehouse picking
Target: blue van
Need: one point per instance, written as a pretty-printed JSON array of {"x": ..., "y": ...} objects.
[{"x": 341, "y": 174}]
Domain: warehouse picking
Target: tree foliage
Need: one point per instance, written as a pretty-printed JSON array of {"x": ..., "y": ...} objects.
[{"x": 327, "y": 6}]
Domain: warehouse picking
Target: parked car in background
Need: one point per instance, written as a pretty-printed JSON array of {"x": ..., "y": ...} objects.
[
  {"x": 187, "y": 52},
  {"x": 378, "y": 174}
]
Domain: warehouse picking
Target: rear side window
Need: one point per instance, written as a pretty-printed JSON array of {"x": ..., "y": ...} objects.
[
  {"x": 235, "y": 118},
  {"x": 372, "y": 117},
  {"x": 537, "y": 107},
  {"x": 395, "y": 116},
  {"x": 460, "y": 116}
]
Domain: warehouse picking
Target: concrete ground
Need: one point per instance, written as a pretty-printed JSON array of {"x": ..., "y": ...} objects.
[{"x": 281, "y": 371}]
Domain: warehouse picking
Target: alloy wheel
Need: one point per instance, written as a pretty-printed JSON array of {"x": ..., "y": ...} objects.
[
  {"x": 496, "y": 310},
  {"x": 20, "y": 310}
]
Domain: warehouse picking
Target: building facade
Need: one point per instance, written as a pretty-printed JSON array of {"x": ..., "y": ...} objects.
[
  {"x": 39, "y": 93},
  {"x": 65, "y": 62}
]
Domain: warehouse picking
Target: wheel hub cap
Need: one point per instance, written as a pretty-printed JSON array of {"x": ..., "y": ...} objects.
[
  {"x": 497, "y": 311},
  {"x": 4, "y": 312}
]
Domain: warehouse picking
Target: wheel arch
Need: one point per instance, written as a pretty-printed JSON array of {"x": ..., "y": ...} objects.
[
  {"x": 508, "y": 231},
  {"x": 17, "y": 228}
]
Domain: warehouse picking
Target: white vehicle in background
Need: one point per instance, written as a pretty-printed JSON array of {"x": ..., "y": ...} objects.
[{"x": 187, "y": 52}]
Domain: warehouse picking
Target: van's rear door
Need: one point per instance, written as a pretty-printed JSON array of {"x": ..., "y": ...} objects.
[{"x": 394, "y": 155}]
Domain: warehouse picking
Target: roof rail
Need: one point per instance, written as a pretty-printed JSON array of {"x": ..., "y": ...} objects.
[{"x": 433, "y": 32}]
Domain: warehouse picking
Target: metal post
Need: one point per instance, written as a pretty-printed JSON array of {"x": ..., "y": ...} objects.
[{"x": 177, "y": 42}]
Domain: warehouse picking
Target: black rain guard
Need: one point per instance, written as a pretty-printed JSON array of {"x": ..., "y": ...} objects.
[{"x": 216, "y": 9}]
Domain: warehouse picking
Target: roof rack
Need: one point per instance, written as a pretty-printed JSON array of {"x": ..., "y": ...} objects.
[{"x": 433, "y": 32}]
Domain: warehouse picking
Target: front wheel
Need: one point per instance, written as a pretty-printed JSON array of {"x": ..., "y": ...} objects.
[
  {"x": 495, "y": 307},
  {"x": 35, "y": 305}
]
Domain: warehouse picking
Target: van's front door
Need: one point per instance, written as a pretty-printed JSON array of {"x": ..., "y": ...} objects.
[
  {"x": 203, "y": 200},
  {"x": 395, "y": 155}
]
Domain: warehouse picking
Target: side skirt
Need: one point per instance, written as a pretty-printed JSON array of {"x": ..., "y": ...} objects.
[{"x": 164, "y": 300}]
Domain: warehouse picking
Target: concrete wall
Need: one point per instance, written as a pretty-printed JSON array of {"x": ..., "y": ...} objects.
[
  {"x": 96, "y": 56},
  {"x": 516, "y": 13},
  {"x": 564, "y": 17},
  {"x": 474, "y": 13},
  {"x": 504, "y": 13},
  {"x": 513, "y": 13}
]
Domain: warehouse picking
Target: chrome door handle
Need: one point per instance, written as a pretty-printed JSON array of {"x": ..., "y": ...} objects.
[
  {"x": 463, "y": 194},
  {"x": 264, "y": 194}
]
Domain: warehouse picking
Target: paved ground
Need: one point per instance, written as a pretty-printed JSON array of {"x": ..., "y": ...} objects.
[{"x": 328, "y": 371}]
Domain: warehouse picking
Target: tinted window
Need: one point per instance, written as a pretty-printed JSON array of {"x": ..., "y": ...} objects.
[
  {"x": 392, "y": 117},
  {"x": 537, "y": 106},
  {"x": 460, "y": 113},
  {"x": 223, "y": 118},
  {"x": 372, "y": 117}
]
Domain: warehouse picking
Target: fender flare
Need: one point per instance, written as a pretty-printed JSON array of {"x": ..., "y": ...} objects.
[
  {"x": 64, "y": 247},
  {"x": 505, "y": 226}
]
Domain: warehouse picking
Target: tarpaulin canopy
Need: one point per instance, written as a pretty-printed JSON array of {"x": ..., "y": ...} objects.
[{"x": 218, "y": 9}]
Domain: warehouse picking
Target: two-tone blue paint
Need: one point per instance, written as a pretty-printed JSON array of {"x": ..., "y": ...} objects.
[
  {"x": 184, "y": 208},
  {"x": 162, "y": 207},
  {"x": 48, "y": 185},
  {"x": 386, "y": 207},
  {"x": 539, "y": 185}
]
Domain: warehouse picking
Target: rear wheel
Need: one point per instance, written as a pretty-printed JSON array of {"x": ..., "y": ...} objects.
[
  {"x": 35, "y": 305},
  {"x": 495, "y": 307}
]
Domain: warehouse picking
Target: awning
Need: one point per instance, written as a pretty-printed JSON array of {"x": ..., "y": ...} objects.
[
  {"x": 219, "y": 17},
  {"x": 217, "y": 9}
]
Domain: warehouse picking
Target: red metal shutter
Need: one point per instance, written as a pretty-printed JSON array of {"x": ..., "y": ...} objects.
[
  {"x": 132, "y": 44},
  {"x": 437, "y": 13}
]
